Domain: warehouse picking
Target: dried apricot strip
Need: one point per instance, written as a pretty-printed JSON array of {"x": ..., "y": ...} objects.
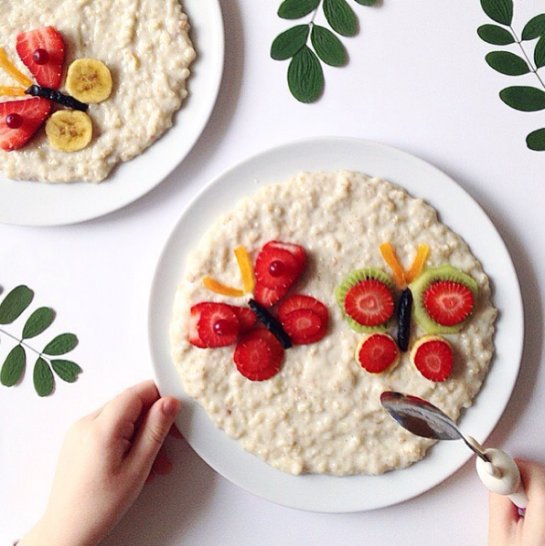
[
  {"x": 215, "y": 286},
  {"x": 389, "y": 255},
  {"x": 12, "y": 70},
  {"x": 12, "y": 91},
  {"x": 246, "y": 268},
  {"x": 418, "y": 263}
]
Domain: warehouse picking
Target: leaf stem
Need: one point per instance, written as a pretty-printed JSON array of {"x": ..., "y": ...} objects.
[
  {"x": 530, "y": 64},
  {"x": 21, "y": 342}
]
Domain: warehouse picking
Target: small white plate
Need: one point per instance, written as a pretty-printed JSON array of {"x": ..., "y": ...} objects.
[
  {"x": 457, "y": 210},
  {"x": 39, "y": 204}
]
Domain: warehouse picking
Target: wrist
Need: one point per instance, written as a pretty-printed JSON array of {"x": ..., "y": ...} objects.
[{"x": 46, "y": 534}]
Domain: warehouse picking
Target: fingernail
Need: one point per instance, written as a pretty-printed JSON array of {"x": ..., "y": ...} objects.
[{"x": 170, "y": 407}]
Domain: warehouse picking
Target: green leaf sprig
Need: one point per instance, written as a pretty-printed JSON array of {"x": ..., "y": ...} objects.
[
  {"x": 13, "y": 368},
  {"x": 523, "y": 98},
  {"x": 305, "y": 74}
]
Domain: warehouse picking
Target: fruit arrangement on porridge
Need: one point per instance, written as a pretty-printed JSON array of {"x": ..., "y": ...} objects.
[
  {"x": 309, "y": 299},
  {"x": 78, "y": 97}
]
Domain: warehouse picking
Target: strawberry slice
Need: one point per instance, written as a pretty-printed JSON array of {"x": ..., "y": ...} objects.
[
  {"x": 218, "y": 325},
  {"x": 194, "y": 318},
  {"x": 448, "y": 303},
  {"x": 276, "y": 268},
  {"x": 19, "y": 121},
  {"x": 432, "y": 356},
  {"x": 300, "y": 301},
  {"x": 297, "y": 251},
  {"x": 304, "y": 326},
  {"x": 369, "y": 302},
  {"x": 269, "y": 296},
  {"x": 377, "y": 352},
  {"x": 246, "y": 317},
  {"x": 42, "y": 51},
  {"x": 258, "y": 355}
]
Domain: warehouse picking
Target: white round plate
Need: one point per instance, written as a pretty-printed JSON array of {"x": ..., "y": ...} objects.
[
  {"x": 457, "y": 210},
  {"x": 39, "y": 204}
]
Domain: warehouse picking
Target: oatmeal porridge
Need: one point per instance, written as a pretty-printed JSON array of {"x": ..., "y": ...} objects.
[
  {"x": 145, "y": 46},
  {"x": 321, "y": 412}
]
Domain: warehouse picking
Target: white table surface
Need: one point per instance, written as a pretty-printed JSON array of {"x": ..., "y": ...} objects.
[{"x": 416, "y": 80}]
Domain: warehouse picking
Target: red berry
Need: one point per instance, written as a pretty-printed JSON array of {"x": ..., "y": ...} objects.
[
  {"x": 369, "y": 303},
  {"x": 377, "y": 352},
  {"x": 304, "y": 326},
  {"x": 448, "y": 303},
  {"x": 269, "y": 296},
  {"x": 42, "y": 51},
  {"x": 258, "y": 355},
  {"x": 276, "y": 268},
  {"x": 218, "y": 325},
  {"x": 14, "y": 121},
  {"x": 300, "y": 301},
  {"x": 246, "y": 317},
  {"x": 432, "y": 355},
  {"x": 31, "y": 113},
  {"x": 40, "y": 56},
  {"x": 193, "y": 333},
  {"x": 297, "y": 251}
]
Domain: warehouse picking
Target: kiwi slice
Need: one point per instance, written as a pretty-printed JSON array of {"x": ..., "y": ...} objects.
[
  {"x": 418, "y": 287},
  {"x": 353, "y": 278}
]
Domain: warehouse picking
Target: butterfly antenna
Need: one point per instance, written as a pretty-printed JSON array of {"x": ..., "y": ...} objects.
[{"x": 13, "y": 71}]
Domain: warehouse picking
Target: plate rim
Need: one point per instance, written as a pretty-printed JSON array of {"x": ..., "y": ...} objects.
[
  {"x": 461, "y": 456},
  {"x": 201, "y": 15}
]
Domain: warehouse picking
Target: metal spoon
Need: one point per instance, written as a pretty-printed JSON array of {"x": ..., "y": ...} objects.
[
  {"x": 424, "y": 419},
  {"x": 496, "y": 469}
]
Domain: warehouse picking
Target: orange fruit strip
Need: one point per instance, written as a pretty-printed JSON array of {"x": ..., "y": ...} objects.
[
  {"x": 12, "y": 70},
  {"x": 246, "y": 268},
  {"x": 418, "y": 262},
  {"x": 215, "y": 286},
  {"x": 12, "y": 91},
  {"x": 389, "y": 255}
]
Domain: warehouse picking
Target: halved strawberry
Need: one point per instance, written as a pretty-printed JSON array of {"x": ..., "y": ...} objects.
[
  {"x": 19, "y": 121},
  {"x": 42, "y": 51},
  {"x": 448, "y": 302},
  {"x": 218, "y": 325},
  {"x": 276, "y": 268},
  {"x": 370, "y": 302},
  {"x": 297, "y": 251},
  {"x": 269, "y": 296},
  {"x": 432, "y": 356},
  {"x": 258, "y": 355},
  {"x": 193, "y": 333},
  {"x": 246, "y": 317},
  {"x": 304, "y": 326},
  {"x": 300, "y": 301},
  {"x": 377, "y": 352}
]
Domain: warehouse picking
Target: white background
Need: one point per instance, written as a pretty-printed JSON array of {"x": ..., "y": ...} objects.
[{"x": 416, "y": 80}]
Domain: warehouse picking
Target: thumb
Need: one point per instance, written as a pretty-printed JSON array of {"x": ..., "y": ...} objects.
[{"x": 152, "y": 434}]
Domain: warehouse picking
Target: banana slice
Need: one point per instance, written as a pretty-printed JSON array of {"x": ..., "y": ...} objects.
[
  {"x": 89, "y": 81},
  {"x": 69, "y": 130}
]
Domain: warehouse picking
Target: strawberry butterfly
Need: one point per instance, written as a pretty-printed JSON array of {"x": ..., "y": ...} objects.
[
  {"x": 42, "y": 51},
  {"x": 441, "y": 299},
  {"x": 261, "y": 336}
]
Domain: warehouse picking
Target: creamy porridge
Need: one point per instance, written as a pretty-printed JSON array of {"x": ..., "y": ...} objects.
[
  {"x": 321, "y": 413},
  {"x": 146, "y": 46}
]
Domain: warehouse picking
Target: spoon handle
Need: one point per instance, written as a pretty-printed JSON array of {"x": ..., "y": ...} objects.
[{"x": 501, "y": 475}]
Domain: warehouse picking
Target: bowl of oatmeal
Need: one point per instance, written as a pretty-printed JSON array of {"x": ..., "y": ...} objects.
[
  {"x": 315, "y": 429},
  {"x": 161, "y": 90}
]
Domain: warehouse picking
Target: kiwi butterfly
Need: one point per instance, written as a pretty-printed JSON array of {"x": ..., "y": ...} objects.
[{"x": 441, "y": 299}]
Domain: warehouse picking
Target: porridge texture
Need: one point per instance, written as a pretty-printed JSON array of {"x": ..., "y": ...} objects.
[
  {"x": 321, "y": 413},
  {"x": 146, "y": 46}
]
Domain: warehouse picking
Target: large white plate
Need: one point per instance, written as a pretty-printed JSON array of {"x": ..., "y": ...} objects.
[
  {"x": 37, "y": 204},
  {"x": 457, "y": 209}
]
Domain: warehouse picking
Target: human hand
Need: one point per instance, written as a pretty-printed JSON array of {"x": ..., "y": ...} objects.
[
  {"x": 104, "y": 462},
  {"x": 506, "y": 527}
]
